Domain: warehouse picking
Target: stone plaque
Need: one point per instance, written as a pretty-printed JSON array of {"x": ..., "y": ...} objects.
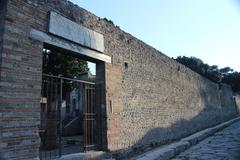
[
  {"x": 64, "y": 44},
  {"x": 65, "y": 28}
]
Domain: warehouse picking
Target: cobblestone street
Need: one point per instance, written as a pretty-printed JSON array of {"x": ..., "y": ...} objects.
[{"x": 223, "y": 145}]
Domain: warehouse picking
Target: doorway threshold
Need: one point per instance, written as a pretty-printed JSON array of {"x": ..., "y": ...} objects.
[{"x": 92, "y": 155}]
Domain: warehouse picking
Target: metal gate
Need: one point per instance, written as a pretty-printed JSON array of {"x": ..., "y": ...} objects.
[{"x": 68, "y": 116}]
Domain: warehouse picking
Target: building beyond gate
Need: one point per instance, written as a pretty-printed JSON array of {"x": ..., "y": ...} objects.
[{"x": 143, "y": 98}]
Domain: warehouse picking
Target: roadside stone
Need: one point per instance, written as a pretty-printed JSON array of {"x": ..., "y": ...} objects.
[
  {"x": 169, "y": 151},
  {"x": 222, "y": 145}
]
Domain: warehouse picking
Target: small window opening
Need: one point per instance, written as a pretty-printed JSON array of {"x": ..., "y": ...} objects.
[{"x": 126, "y": 65}]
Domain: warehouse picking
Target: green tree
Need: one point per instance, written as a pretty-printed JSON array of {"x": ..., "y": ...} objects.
[
  {"x": 197, "y": 65},
  {"x": 233, "y": 79},
  {"x": 213, "y": 73},
  {"x": 226, "y": 70},
  {"x": 60, "y": 64}
]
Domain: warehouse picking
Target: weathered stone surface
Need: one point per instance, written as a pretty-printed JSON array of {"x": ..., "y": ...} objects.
[
  {"x": 227, "y": 99},
  {"x": 237, "y": 99},
  {"x": 222, "y": 145},
  {"x": 98, "y": 155},
  {"x": 168, "y": 151},
  {"x": 154, "y": 99},
  {"x": 163, "y": 153},
  {"x": 54, "y": 41},
  {"x": 65, "y": 28}
]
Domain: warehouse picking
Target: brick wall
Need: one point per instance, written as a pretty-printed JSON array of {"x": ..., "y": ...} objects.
[
  {"x": 150, "y": 99},
  {"x": 2, "y": 17},
  {"x": 2, "y": 20},
  {"x": 20, "y": 83}
]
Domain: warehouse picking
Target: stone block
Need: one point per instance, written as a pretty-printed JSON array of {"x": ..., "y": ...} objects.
[{"x": 65, "y": 28}]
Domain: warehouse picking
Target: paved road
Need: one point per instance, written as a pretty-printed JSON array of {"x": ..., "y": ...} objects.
[{"x": 223, "y": 145}]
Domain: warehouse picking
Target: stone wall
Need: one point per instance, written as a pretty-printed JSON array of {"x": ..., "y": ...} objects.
[
  {"x": 150, "y": 99},
  {"x": 237, "y": 99},
  {"x": 228, "y": 103}
]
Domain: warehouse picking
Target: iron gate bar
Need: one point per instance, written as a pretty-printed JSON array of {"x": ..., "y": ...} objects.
[
  {"x": 60, "y": 117},
  {"x": 51, "y": 86},
  {"x": 52, "y": 89},
  {"x": 70, "y": 79},
  {"x": 89, "y": 118}
]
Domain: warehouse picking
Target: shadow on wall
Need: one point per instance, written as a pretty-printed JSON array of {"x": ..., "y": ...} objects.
[
  {"x": 211, "y": 115},
  {"x": 237, "y": 100}
]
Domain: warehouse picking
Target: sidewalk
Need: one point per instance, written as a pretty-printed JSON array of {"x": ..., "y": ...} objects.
[{"x": 171, "y": 150}]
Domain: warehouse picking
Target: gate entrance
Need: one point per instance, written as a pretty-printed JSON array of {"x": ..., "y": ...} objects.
[{"x": 68, "y": 115}]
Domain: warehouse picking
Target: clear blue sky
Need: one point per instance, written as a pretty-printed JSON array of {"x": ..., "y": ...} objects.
[{"x": 207, "y": 29}]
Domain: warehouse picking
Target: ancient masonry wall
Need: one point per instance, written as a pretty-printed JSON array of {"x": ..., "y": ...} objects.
[
  {"x": 150, "y": 98},
  {"x": 238, "y": 103},
  {"x": 2, "y": 17},
  {"x": 228, "y": 103},
  {"x": 20, "y": 85}
]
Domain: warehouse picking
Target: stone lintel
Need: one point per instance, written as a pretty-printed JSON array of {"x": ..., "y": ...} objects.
[
  {"x": 63, "y": 44},
  {"x": 67, "y": 29}
]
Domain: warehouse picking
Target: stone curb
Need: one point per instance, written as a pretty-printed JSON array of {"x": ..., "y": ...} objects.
[
  {"x": 84, "y": 156},
  {"x": 171, "y": 150}
]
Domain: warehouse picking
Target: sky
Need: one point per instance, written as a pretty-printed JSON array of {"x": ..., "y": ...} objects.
[{"x": 206, "y": 29}]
